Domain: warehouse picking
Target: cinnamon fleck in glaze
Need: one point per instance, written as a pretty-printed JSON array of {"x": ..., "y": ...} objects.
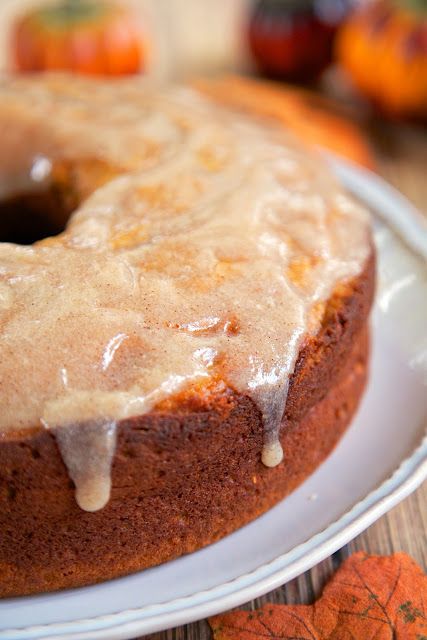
[{"x": 206, "y": 257}]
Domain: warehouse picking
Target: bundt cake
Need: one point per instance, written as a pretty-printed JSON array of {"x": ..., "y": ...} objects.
[{"x": 184, "y": 301}]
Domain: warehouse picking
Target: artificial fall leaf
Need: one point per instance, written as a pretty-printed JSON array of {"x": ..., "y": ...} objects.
[{"x": 369, "y": 598}]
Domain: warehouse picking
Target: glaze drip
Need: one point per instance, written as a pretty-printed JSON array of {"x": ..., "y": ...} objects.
[
  {"x": 87, "y": 450},
  {"x": 207, "y": 252}
]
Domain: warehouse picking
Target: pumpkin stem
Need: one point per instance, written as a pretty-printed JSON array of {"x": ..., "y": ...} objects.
[
  {"x": 416, "y": 6},
  {"x": 65, "y": 12}
]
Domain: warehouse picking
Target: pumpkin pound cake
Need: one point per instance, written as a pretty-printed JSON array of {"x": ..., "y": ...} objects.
[{"x": 191, "y": 343}]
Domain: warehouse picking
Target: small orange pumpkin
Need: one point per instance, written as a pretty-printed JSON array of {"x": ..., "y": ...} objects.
[
  {"x": 383, "y": 47},
  {"x": 85, "y": 36}
]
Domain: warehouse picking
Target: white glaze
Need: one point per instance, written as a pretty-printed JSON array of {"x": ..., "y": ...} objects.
[{"x": 205, "y": 257}]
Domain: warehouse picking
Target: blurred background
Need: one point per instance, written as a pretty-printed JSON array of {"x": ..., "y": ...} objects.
[
  {"x": 347, "y": 74},
  {"x": 177, "y": 36}
]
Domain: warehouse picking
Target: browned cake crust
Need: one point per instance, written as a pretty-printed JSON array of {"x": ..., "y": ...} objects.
[{"x": 184, "y": 475}]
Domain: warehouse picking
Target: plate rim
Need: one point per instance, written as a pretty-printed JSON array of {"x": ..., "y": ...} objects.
[
  {"x": 414, "y": 470},
  {"x": 411, "y": 472}
]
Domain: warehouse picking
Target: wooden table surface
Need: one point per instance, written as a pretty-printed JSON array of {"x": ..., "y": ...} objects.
[{"x": 402, "y": 160}]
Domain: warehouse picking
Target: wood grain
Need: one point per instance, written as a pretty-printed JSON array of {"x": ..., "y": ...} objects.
[{"x": 402, "y": 160}]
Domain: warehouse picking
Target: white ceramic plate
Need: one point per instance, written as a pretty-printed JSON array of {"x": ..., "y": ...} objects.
[{"x": 381, "y": 459}]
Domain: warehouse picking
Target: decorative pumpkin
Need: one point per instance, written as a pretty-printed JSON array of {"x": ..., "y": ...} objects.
[
  {"x": 85, "y": 36},
  {"x": 383, "y": 47},
  {"x": 292, "y": 39}
]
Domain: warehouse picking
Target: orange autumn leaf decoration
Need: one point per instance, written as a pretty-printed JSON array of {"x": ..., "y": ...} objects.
[{"x": 369, "y": 598}]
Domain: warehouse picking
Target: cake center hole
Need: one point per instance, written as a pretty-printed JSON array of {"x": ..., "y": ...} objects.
[{"x": 29, "y": 218}]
